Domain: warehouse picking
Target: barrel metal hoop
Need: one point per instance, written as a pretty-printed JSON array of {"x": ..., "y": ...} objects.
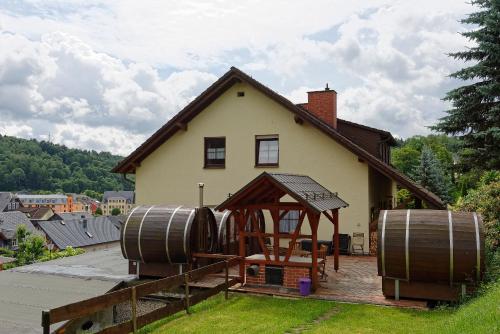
[
  {"x": 450, "y": 228},
  {"x": 407, "y": 245},
  {"x": 478, "y": 248},
  {"x": 167, "y": 232},
  {"x": 139, "y": 234},
  {"x": 125, "y": 231},
  {"x": 221, "y": 221},
  {"x": 188, "y": 223},
  {"x": 382, "y": 242}
]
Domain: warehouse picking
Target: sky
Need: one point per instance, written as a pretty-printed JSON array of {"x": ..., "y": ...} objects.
[{"x": 105, "y": 75}]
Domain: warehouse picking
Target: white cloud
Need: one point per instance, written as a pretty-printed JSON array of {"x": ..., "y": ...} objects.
[
  {"x": 61, "y": 80},
  {"x": 121, "y": 69}
]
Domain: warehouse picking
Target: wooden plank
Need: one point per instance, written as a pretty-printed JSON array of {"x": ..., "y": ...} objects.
[
  {"x": 203, "y": 271},
  {"x": 313, "y": 221},
  {"x": 295, "y": 235},
  {"x": 186, "y": 292},
  {"x": 241, "y": 225},
  {"x": 336, "y": 239},
  {"x": 276, "y": 227},
  {"x": 259, "y": 235},
  {"x": 201, "y": 296},
  {"x": 226, "y": 290},
  {"x": 124, "y": 327},
  {"x": 160, "y": 313},
  {"x": 273, "y": 205},
  {"x": 158, "y": 285},
  {"x": 46, "y": 322},
  {"x": 281, "y": 263},
  {"x": 133, "y": 306},
  {"x": 281, "y": 235},
  {"x": 89, "y": 306}
]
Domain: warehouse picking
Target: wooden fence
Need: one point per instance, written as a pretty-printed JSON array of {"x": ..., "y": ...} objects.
[{"x": 132, "y": 294}]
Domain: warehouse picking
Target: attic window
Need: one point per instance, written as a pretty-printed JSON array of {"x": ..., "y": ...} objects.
[
  {"x": 62, "y": 222},
  {"x": 89, "y": 234},
  {"x": 240, "y": 94}
]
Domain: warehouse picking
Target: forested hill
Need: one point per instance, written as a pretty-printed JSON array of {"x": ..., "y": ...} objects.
[{"x": 40, "y": 166}]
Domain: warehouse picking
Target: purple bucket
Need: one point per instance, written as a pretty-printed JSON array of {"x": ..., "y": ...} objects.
[{"x": 305, "y": 286}]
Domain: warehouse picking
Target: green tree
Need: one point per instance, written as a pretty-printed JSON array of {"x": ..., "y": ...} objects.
[
  {"x": 18, "y": 177},
  {"x": 431, "y": 175},
  {"x": 115, "y": 212},
  {"x": 475, "y": 114},
  {"x": 98, "y": 212},
  {"x": 30, "y": 247}
]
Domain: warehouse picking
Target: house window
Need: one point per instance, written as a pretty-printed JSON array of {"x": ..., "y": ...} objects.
[
  {"x": 289, "y": 222},
  {"x": 266, "y": 150},
  {"x": 215, "y": 152}
]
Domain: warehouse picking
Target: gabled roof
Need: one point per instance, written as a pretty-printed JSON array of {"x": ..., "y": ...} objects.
[
  {"x": 270, "y": 186},
  {"x": 5, "y": 198},
  {"x": 80, "y": 232},
  {"x": 9, "y": 221},
  {"x": 37, "y": 213},
  {"x": 233, "y": 76},
  {"x": 72, "y": 215}
]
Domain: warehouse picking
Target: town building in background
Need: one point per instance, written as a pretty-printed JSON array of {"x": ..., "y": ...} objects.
[
  {"x": 123, "y": 200},
  {"x": 57, "y": 202},
  {"x": 9, "y": 202},
  {"x": 9, "y": 221}
]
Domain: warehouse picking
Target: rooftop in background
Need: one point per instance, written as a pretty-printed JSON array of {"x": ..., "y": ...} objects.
[
  {"x": 5, "y": 199},
  {"x": 72, "y": 215},
  {"x": 80, "y": 232},
  {"x": 37, "y": 213},
  {"x": 129, "y": 196},
  {"x": 9, "y": 221},
  {"x": 26, "y": 291},
  {"x": 43, "y": 199},
  {"x": 300, "y": 187}
]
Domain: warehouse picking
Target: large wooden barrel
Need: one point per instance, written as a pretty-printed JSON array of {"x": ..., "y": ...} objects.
[
  {"x": 227, "y": 232},
  {"x": 430, "y": 246},
  {"x": 168, "y": 234}
]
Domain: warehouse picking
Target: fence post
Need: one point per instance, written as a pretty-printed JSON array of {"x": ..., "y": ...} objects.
[
  {"x": 46, "y": 321},
  {"x": 227, "y": 280},
  {"x": 186, "y": 292},
  {"x": 134, "y": 309}
]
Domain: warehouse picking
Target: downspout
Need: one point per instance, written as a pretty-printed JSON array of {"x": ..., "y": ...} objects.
[{"x": 125, "y": 178}]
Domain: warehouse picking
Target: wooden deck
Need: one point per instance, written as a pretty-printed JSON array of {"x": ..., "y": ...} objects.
[{"x": 356, "y": 281}]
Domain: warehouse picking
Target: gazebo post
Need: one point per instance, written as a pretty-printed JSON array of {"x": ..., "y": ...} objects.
[
  {"x": 313, "y": 222},
  {"x": 335, "y": 214},
  {"x": 242, "y": 252},
  {"x": 276, "y": 229}
]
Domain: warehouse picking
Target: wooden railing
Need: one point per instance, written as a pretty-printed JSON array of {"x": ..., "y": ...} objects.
[{"x": 132, "y": 294}]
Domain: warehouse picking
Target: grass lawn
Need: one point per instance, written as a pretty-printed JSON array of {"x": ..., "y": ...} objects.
[{"x": 262, "y": 314}]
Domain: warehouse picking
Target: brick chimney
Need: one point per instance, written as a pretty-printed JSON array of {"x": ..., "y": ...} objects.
[{"x": 323, "y": 104}]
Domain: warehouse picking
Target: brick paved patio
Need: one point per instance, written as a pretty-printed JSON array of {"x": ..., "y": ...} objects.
[{"x": 356, "y": 281}]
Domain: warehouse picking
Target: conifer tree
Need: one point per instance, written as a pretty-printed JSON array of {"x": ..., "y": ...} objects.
[
  {"x": 475, "y": 114},
  {"x": 431, "y": 175}
]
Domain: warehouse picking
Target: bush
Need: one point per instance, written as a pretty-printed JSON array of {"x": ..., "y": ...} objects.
[
  {"x": 485, "y": 200},
  {"x": 115, "y": 212}
]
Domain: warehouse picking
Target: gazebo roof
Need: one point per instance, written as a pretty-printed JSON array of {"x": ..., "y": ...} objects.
[{"x": 268, "y": 187}]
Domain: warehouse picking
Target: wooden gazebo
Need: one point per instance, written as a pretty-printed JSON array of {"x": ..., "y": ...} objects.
[{"x": 265, "y": 193}]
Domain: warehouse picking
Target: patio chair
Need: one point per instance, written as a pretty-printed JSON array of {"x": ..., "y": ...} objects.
[
  {"x": 322, "y": 252},
  {"x": 297, "y": 249},
  {"x": 358, "y": 242}
]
